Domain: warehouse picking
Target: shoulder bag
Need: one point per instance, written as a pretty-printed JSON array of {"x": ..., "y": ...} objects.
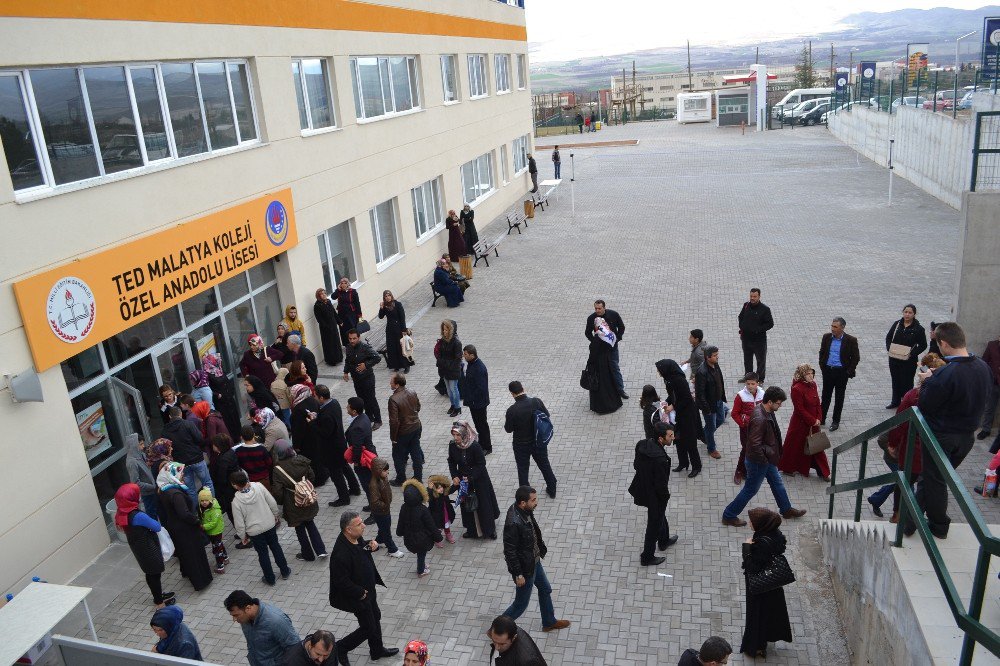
[
  {"x": 777, "y": 574},
  {"x": 363, "y": 326},
  {"x": 817, "y": 442},
  {"x": 897, "y": 351}
]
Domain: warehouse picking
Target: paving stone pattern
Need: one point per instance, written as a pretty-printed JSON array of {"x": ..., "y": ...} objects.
[{"x": 672, "y": 233}]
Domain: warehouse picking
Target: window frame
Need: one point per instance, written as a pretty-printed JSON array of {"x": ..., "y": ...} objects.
[
  {"x": 386, "y": 261},
  {"x": 520, "y": 143},
  {"x": 522, "y": 71},
  {"x": 457, "y": 92},
  {"x": 479, "y": 178},
  {"x": 504, "y": 168},
  {"x": 324, "y": 237},
  {"x": 50, "y": 187},
  {"x": 311, "y": 130},
  {"x": 437, "y": 212},
  {"x": 504, "y": 59},
  {"x": 413, "y": 75},
  {"x": 480, "y": 71}
]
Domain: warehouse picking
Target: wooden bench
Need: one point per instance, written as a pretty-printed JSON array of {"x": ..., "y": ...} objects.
[
  {"x": 483, "y": 248},
  {"x": 516, "y": 222},
  {"x": 436, "y": 296}
]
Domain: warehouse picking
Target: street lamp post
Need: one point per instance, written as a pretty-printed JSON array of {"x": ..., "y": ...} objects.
[{"x": 954, "y": 99}]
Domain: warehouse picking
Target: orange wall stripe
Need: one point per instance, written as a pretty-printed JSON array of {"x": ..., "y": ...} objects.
[{"x": 314, "y": 14}]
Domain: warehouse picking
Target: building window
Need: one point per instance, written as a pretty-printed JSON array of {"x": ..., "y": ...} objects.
[
  {"x": 477, "y": 178},
  {"x": 336, "y": 255},
  {"x": 477, "y": 76},
  {"x": 504, "y": 169},
  {"x": 384, "y": 85},
  {"x": 427, "y": 213},
  {"x": 383, "y": 217},
  {"x": 449, "y": 78},
  {"x": 311, "y": 77},
  {"x": 522, "y": 71},
  {"x": 92, "y": 122},
  {"x": 501, "y": 67},
  {"x": 520, "y": 154}
]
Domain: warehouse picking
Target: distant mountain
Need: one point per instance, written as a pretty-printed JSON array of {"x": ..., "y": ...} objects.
[{"x": 872, "y": 35}]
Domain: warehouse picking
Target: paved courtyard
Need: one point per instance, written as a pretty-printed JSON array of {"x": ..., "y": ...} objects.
[{"x": 672, "y": 232}]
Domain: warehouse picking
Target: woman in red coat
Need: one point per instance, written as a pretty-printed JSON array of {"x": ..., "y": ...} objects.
[{"x": 806, "y": 416}]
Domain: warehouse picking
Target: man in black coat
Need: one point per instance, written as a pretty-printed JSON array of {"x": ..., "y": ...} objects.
[
  {"x": 359, "y": 360},
  {"x": 515, "y": 645},
  {"x": 520, "y": 421},
  {"x": 476, "y": 395},
  {"x": 710, "y": 395},
  {"x": 329, "y": 423},
  {"x": 838, "y": 360},
  {"x": 187, "y": 448},
  {"x": 523, "y": 549},
  {"x": 318, "y": 649},
  {"x": 533, "y": 172},
  {"x": 617, "y": 327},
  {"x": 650, "y": 488},
  {"x": 300, "y": 353},
  {"x": 755, "y": 321},
  {"x": 353, "y": 578}
]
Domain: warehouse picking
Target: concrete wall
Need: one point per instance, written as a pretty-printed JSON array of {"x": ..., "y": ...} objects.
[
  {"x": 978, "y": 281},
  {"x": 879, "y": 619},
  {"x": 931, "y": 150}
]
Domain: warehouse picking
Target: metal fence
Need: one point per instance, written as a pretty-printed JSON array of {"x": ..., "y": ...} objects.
[{"x": 986, "y": 152}]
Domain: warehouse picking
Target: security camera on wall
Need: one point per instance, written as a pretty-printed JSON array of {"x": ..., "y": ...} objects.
[{"x": 25, "y": 387}]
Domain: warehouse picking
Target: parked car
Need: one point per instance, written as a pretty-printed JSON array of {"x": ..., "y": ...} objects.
[
  {"x": 915, "y": 102},
  {"x": 966, "y": 101},
  {"x": 943, "y": 101},
  {"x": 813, "y": 116},
  {"x": 803, "y": 107}
]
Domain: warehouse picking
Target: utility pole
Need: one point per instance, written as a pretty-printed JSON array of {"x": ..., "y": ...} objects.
[
  {"x": 756, "y": 58},
  {"x": 811, "y": 70},
  {"x": 689, "y": 65},
  {"x": 831, "y": 62}
]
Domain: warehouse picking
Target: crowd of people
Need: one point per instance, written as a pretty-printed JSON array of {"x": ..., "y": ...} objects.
[{"x": 297, "y": 437}]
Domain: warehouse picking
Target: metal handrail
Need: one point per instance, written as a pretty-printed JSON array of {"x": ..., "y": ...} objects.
[{"x": 967, "y": 618}]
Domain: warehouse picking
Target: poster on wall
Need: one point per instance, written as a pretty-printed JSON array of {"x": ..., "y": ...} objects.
[
  {"x": 206, "y": 346},
  {"x": 93, "y": 430}
]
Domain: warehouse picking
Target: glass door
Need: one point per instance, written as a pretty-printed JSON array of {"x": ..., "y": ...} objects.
[{"x": 172, "y": 362}]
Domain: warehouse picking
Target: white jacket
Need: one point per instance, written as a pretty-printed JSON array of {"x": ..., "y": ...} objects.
[{"x": 254, "y": 510}]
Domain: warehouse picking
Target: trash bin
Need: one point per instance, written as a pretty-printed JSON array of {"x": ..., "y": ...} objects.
[
  {"x": 598, "y": 124},
  {"x": 529, "y": 209},
  {"x": 465, "y": 266}
]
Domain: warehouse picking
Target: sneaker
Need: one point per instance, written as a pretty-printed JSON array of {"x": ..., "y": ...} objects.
[
  {"x": 425, "y": 572},
  {"x": 398, "y": 554},
  {"x": 321, "y": 555}
]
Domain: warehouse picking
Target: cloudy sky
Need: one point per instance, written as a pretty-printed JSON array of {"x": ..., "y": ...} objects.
[{"x": 567, "y": 29}]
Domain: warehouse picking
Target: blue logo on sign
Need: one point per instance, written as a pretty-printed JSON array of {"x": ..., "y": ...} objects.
[{"x": 276, "y": 223}]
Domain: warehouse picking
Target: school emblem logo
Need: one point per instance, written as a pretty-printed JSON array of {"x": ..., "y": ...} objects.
[
  {"x": 71, "y": 309},
  {"x": 276, "y": 223}
]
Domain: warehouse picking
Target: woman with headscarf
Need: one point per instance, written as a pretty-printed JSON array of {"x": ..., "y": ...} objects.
[
  {"x": 223, "y": 395},
  {"x": 767, "y": 613},
  {"x": 806, "y": 417},
  {"x": 176, "y": 640},
  {"x": 211, "y": 422},
  {"x": 456, "y": 242},
  {"x": 140, "y": 474},
  {"x": 416, "y": 654},
  {"x": 302, "y": 518},
  {"x": 259, "y": 394},
  {"x": 271, "y": 427},
  {"x": 395, "y": 325},
  {"x": 348, "y": 308},
  {"x": 604, "y": 396},
  {"x": 159, "y": 452},
  {"x": 469, "y": 233},
  {"x": 258, "y": 359},
  {"x": 467, "y": 464},
  {"x": 305, "y": 434},
  {"x": 140, "y": 530},
  {"x": 328, "y": 321},
  {"x": 687, "y": 427},
  {"x": 281, "y": 339},
  {"x": 293, "y": 324},
  {"x": 180, "y": 517}
]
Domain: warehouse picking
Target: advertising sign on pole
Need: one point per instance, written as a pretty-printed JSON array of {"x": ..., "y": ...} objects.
[
  {"x": 916, "y": 60},
  {"x": 991, "y": 47}
]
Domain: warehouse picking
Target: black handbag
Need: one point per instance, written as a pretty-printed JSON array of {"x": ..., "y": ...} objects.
[
  {"x": 777, "y": 574},
  {"x": 363, "y": 327},
  {"x": 471, "y": 502},
  {"x": 588, "y": 379}
]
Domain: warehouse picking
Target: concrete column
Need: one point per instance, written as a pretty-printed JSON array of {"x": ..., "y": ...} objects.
[{"x": 978, "y": 275}]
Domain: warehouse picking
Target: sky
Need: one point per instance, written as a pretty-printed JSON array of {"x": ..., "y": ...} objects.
[{"x": 567, "y": 29}]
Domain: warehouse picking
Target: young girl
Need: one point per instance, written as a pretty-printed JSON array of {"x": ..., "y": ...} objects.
[
  {"x": 415, "y": 524},
  {"x": 211, "y": 521},
  {"x": 441, "y": 508},
  {"x": 380, "y": 500},
  {"x": 654, "y": 409}
]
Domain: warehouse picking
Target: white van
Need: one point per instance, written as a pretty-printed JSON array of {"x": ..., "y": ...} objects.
[{"x": 796, "y": 97}]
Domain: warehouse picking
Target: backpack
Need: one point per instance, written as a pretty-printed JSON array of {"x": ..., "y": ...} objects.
[
  {"x": 543, "y": 429},
  {"x": 305, "y": 492}
]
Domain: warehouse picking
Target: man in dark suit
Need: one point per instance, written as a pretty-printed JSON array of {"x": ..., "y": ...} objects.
[
  {"x": 353, "y": 579},
  {"x": 838, "y": 360},
  {"x": 301, "y": 353},
  {"x": 329, "y": 423}
]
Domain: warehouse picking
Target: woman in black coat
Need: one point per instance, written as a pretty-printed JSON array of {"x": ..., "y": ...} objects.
[
  {"x": 395, "y": 325},
  {"x": 329, "y": 333},
  {"x": 767, "y": 613},
  {"x": 604, "y": 396},
  {"x": 688, "y": 429},
  {"x": 348, "y": 308},
  {"x": 909, "y": 333},
  {"x": 470, "y": 234},
  {"x": 225, "y": 464},
  {"x": 180, "y": 517},
  {"x": 466, "y": 460},
  {"x": 305, "y": 433}
]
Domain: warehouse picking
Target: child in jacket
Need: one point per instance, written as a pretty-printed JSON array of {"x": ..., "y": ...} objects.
[
  {"x": 380, "y": 500},
  {"x": 440, "y": 506},
  {"x": 415, "y": 524},
  {"x": 211, "y": 521}
]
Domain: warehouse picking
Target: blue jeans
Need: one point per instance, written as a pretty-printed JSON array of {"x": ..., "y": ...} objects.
[
  {"x": 756, "y": 473},
  {"x": 616, "y": 370},
  {"x": 523, "y": 596},
  {"x": 713, "y": 420},
  {"x": 453, "y": 394},
  {"x": 879, "y": 497},
  {"x": 385, "y": 531},
  {"x": 421, "y": 562},
  {"x": 558, "y": 166},
  {"x": 261, "y": 543},
  {"x": 198, "y": 471}
]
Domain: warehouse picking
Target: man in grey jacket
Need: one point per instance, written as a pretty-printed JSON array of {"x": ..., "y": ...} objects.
[
  {"x": 698, "y": 346},
  {"x": 267, "y": 629}
]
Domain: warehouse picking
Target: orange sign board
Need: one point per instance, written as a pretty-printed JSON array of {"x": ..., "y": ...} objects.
[{"x": 76, "y": 306}]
